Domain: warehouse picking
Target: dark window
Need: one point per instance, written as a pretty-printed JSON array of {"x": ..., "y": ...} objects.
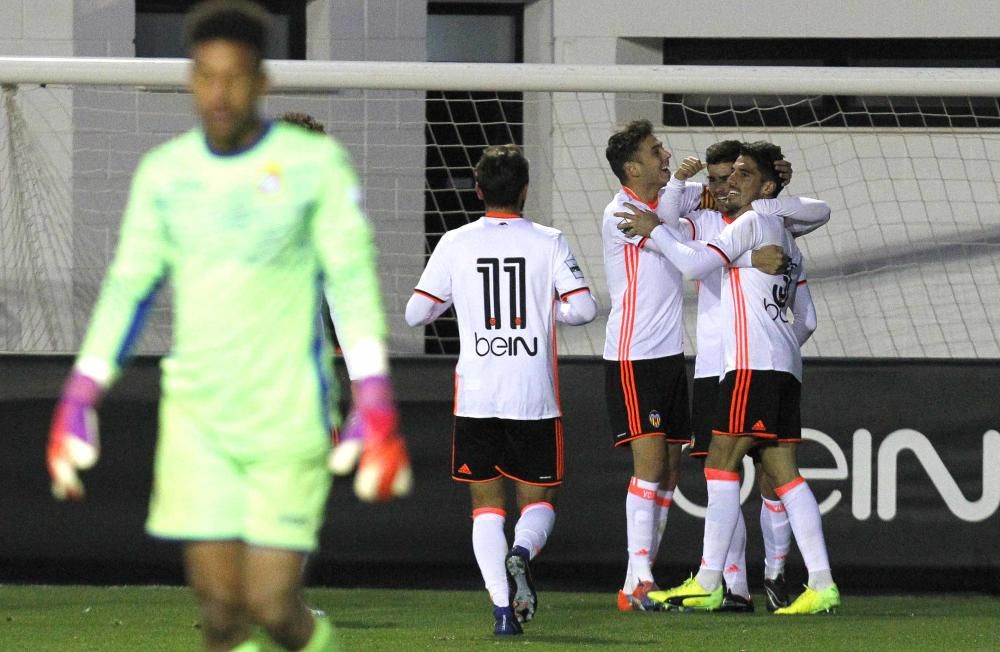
[
  {"x": 460, "y": 124},
  {"x": 159, "y": 28},
  {"x": 829, "y": 110}
]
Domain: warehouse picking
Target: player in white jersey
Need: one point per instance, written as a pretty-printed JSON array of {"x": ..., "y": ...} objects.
[
  {"x": 509, "y": 280},
  {"x": 759, "y": 394},
  {"x": 645, "y": 372},
  {"x": 801, "y": 215}
]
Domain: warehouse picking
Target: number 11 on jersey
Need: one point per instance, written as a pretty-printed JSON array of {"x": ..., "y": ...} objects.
[{"x": 514, "y": 269}]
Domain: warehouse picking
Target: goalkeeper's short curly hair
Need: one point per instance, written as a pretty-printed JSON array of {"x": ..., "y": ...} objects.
[{"x": 242, "y": 21}]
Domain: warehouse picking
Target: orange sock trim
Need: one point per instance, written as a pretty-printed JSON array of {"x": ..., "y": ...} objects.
[
  {"x": 540, "y": 503},
  {"x": 719, "y": 474},
  {"x": 489, "y": 510},
  {"x": 788, "y": 486},
  {"x": 636, "y": 490}
]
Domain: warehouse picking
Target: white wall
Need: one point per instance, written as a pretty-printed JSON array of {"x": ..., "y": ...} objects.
[
  {"x": 93, "y": 138},
  {"x": 895, "y": 193},
  {"x": 576, "y": 19}
]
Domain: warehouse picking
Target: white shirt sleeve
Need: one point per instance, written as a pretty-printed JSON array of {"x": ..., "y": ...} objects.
[
  {"x": 802, "y": 215},
  {"x": 736, "y": 239},
  {"x": 422, "y": 309},
  {"x": 675, "y": 198},
  {"x": 803, "y": 309},
  {"x": 694, "y": 263},
  {"x": 433, "y": 294},
  {"x": 576, "y": 302},
  {"x": 690, "y": 197}
]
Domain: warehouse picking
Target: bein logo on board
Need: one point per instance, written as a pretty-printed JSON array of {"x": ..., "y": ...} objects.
[{"x": 879, "y": 468}]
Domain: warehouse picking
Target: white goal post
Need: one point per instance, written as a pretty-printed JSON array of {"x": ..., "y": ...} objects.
[
  {"x": 906, "y": 268},
  {"x": 290, "y": 76}
]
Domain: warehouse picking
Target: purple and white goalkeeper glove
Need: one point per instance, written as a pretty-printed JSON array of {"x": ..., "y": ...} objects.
[
  {"x": 371, "y": 442},
  {"x": 73, "y": 437}
]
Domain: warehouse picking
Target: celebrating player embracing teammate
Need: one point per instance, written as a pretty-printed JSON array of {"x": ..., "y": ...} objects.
[{"x": 759, "y": 394}]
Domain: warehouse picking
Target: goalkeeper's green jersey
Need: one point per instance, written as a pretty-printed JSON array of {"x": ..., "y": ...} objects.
[{"x": 247, "y": 242}]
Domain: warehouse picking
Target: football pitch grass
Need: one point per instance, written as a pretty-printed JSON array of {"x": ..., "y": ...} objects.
[{"x": 108, "y": 619}]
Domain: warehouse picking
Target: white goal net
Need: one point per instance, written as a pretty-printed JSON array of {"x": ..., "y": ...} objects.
[{"x": 907, "y": 266}]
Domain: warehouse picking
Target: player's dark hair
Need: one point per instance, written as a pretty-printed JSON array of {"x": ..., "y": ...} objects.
[
  {"x": 764, "y": 154},
  {"x": 623, "y": 145},
  {"x": 303, "y": 120},
  {"x": 724, "y": 151},
  {"x": 502, "y": 173},
  {"x": 241, "y": 21}
]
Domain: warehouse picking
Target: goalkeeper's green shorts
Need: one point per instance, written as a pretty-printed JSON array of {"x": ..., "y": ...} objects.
[{"x": 204, "y": 492}]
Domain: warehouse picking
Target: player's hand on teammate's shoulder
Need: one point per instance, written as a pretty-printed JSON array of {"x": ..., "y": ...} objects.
[{"x": 636, "y": 221}]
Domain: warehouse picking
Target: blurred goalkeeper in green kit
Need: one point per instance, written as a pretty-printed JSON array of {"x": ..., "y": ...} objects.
[{"x": 250, "y": 222}]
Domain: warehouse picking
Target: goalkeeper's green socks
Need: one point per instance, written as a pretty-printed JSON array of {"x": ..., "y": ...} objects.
[
  {"x": 249, "y": 645},
  {"x": 323, "y": 638}
]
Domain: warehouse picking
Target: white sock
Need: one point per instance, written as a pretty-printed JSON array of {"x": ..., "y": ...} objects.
[
  {"x": 720, "y": 522},
  {"x": 630, "y": 581},
  {"x": 532, "y": 530},
  {"x": 664, "y": 499},
  {"x": 777, "y": 536},
  {"x": 640, "y": 503},
  {"x": 490, "y": 545},
  {"x": 807, "y": 525},
  {"x": 735, "y": 572}
]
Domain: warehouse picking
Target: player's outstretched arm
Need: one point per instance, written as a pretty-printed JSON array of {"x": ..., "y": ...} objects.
[
  {"x": 694, "y": 263},
  {"x": 128, "y": 290},
  {"x": 343, "y": 241},
  {"x": 692, "y": 258},
  {"x": 802, "y": 215}
]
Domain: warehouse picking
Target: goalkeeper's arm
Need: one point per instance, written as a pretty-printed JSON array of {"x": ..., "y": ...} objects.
[
  {"x": 343, "y": 241},
  {"x": 127, "y": 293}
]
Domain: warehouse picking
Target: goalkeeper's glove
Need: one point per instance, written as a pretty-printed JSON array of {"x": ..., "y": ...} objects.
[
  {"x": 73, "y": 438},
  {"x": 371, "y": 442},
  {"x": 348, "y": 441}
]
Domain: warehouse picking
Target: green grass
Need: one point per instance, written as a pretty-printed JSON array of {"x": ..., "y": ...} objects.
[{"x": 109, "y": 619}]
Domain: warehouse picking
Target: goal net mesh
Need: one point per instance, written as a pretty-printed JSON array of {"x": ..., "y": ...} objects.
[{"x": 907, "y": 266}]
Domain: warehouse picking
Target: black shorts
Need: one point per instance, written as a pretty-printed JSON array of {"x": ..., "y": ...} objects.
[
  {"x": 759, "y": 403},
  {"x": 648, "y": 397},
  {"x": 529, "y": 451},
  {"x": 704, "y": 397}
]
